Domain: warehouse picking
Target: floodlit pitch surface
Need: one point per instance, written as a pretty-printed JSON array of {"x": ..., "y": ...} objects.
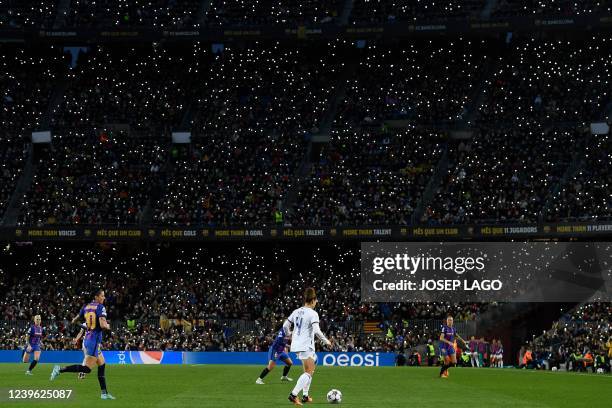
[{"x": 234, "y": 386}]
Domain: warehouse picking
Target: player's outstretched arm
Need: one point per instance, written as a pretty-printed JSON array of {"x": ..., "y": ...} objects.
[
  {"x": 76, "y": 319},
  {"x": 317, "y": 331},
  {"x": 78, "y": 337}
]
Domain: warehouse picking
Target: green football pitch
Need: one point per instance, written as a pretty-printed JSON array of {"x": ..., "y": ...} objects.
[{"x": 234, "y": 386}]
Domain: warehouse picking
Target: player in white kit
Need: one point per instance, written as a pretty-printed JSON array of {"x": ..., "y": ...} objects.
[{"x": 305, "y": 323}]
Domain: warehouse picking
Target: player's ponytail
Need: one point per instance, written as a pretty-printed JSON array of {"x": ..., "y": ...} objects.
[{"x": 309, "y": 295}]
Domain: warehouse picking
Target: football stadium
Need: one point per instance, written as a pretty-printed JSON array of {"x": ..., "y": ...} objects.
[{"x": 256, "y": 203}]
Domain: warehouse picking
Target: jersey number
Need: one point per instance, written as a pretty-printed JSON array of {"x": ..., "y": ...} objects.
[
  {"x": 298, "y": 324},
  {"x": 90, "y": 320}
]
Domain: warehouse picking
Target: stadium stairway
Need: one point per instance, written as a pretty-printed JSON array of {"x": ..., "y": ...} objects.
[
  {"x": 203, "y": 10},
  {"x": 25, "y": 180},
  {"x": 320, "y": 139},
  {"x": 432, "y": 186},
  {"x": 346, "y": 12},
  {"x": 488, "y": 9},
  {"x": 11, "y": 214},
  {"x": 576, "y": 163},
  {"x": 478, "y": 97},
  {"x": 157, "y": 193},
  {"x": 57, "y": 97},
  {"x": 63, "y": 8}
]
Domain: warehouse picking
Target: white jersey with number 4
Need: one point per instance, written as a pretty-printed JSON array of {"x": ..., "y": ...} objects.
[{"x": 302, "y": 338}]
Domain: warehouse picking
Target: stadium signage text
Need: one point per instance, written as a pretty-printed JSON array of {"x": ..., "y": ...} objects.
[
  {"x": 351, "y": 359},
  {"x": 592, "y": 21},
  {"x": 394, "y": 233}
]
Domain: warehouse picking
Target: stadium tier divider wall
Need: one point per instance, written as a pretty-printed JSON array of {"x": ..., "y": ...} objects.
[
  {"x": 495, "y": 26},
  {"x": 596, "y": 229}
]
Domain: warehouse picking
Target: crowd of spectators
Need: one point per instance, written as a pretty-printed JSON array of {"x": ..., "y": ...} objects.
[
  {"x": 262, "y": 12},
  {"x": 253, "y": 108},
  {"x": 193, "y": 14},
  {"x": 426, "y": 82},
  {"x": 146, "y": 87},
  {"x": 368, "y": 178},
  {"x": 580, "y": 341},
  {"x": 27, "y": 79},
  {"x": 93, "y": 177},
  {"x": 165, "y": 14},
  {"x": 502, "y": 175},
  {"x": 15, "y": 14},
  {"x": 589, "y": 188},
  {"x": 389, "y": 11},
  {"x": 252, "y": 117},
  {"x": 549, "y": 81},
  {"x": 176, "y": 292},
  {"x": 510, "y": 8}
]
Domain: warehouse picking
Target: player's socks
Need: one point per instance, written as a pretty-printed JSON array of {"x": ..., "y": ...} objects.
[
  {"x": 306, "y": 388},
  {"x": 301, "y": 382},
  {"x": 76, "y": 368},
  {"x": 443, "y": 369},
  {"x": 286, "y": 370},
  {"x": 102, "y": 378},
  {"x": 264, "y": 373},
  {"x": 32, "y": 365}
]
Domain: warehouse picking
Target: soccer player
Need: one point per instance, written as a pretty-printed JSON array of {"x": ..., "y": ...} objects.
[
  {"x": 278, "y": 351},
  {"x": 473, "y": 346},
  {"x": 493, "y": 353},
  {"x": 305, "y": 322},
  {"x": 447, "y": 346},
  {"x": 83, "y": 330},
  {"x": 499, "y": 356},
  {"x": 94, "y": 314},
  {"x": 34, "y": 340}
]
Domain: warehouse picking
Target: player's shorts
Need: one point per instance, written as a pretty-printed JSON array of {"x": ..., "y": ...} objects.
[
  {"x": 499, "y": 356},
  {"x": 35, "y": 347},
  {"x": 305, "y": 355},
  {"x": 274, "y": 355},
  {"x": 92, "y": 347},
  {"x": 447, "y": 351}
]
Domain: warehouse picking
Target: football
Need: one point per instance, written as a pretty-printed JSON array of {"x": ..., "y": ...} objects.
[
  {"x": 600, "y": 371},
  {"x": 554, "y": 369},
  {"x": 334, "y": 397}
]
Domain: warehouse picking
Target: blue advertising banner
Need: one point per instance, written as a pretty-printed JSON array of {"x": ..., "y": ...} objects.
[
  {"x": 323, "y": 358},
  {"x": 111, "y": 357},
  {"x": 178, "y": 357},
  {"x": 143, "y": 357}
]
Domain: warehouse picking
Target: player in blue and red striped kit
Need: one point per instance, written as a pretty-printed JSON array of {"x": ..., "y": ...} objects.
[
  {"x": 448, "y": 345},
  {"x": 34, "y": 339},
  {"x": 278, "y": 351},
  {"x": 94, "y": 314}
]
